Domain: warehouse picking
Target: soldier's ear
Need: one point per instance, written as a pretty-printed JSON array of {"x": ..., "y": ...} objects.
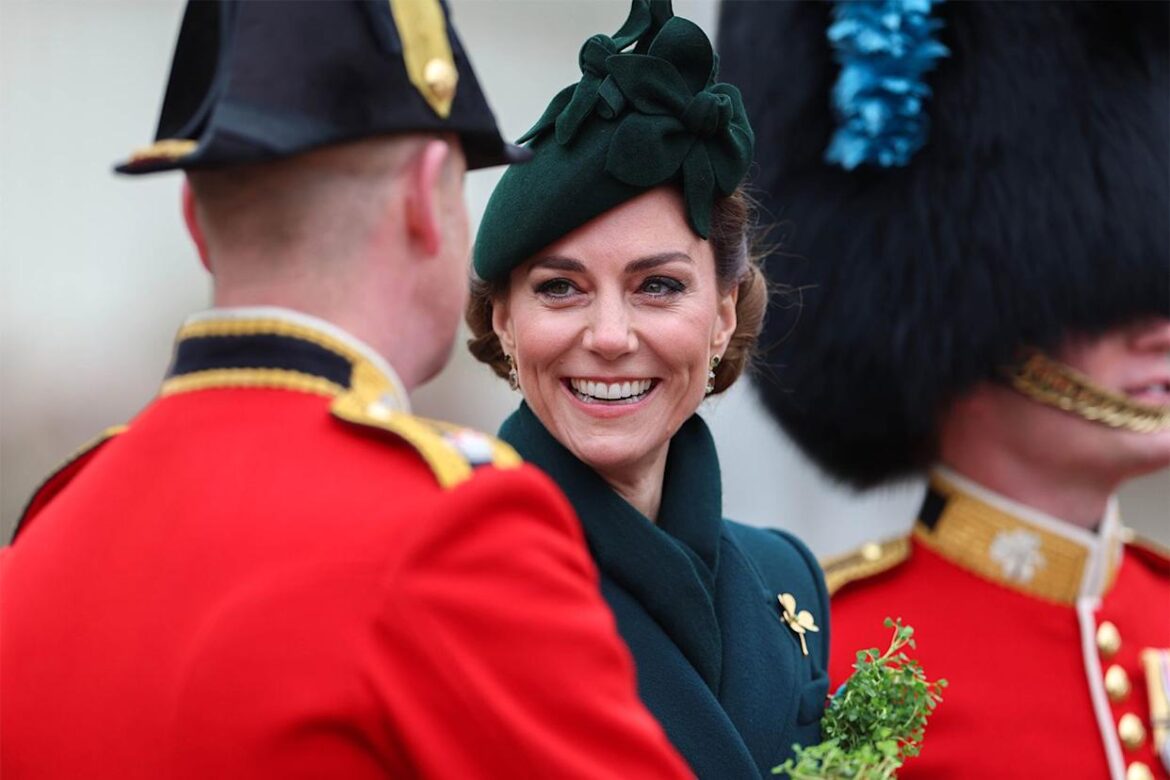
[
  {"x": 423, "y": 210},
  {"x": 191, "y": 218}
]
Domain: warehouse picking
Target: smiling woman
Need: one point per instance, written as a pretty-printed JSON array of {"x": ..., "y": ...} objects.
[
  {"x": 618, "y": 331},
  {"x": 616, "y": 290}
]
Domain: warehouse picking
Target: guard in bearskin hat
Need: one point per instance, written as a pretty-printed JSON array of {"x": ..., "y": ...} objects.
[
  {"x": 974, "y": 200},
  {"x": 276, "y": 570}
]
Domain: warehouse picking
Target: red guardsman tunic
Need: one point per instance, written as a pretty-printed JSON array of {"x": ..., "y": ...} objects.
[
  {"x": 1040, "y": 628},
  {"x": 277, "y": 571}
]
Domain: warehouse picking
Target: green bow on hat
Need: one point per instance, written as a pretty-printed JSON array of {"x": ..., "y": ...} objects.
[
  {"x": 635, "y": 121},
  {"x": 573, "y": 105}
]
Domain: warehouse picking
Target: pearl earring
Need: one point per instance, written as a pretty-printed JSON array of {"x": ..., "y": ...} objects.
[{"x": 711, "y": 374}]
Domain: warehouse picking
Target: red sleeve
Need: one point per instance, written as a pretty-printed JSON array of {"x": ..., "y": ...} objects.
[{"x": 517, "y": 668}]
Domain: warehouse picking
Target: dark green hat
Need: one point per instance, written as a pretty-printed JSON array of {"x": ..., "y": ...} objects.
[
  {"x": 635, "y": 121},
  {"x": 254, "y": 81}
]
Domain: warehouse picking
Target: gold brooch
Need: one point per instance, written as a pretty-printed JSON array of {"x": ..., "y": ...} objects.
[{"x": 800, "y": 622}]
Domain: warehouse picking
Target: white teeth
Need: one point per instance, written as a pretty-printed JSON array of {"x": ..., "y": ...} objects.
[{"x": 618, "y": 391}]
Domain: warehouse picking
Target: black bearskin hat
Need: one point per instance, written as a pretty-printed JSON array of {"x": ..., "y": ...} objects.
[{"x": 1037, "y": 206}]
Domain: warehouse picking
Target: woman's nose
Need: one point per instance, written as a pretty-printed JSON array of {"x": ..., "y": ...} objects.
[{"x": 609, "y": 332}]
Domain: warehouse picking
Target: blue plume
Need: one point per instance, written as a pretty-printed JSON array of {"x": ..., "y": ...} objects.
[{"x": 884, "y": 48}]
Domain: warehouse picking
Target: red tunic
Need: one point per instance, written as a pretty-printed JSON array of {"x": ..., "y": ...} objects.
[
  {"x": 278, "y": 572},
  {"x": 1009, "y": 607}
]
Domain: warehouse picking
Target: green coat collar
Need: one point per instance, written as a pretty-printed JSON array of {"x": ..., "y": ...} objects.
[
  {"x": 694, "y": 598},
  {"x": 682, "y": 549}
]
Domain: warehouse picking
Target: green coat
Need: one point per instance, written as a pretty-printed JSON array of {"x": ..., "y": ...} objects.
[{"x": 695, "y": 598}]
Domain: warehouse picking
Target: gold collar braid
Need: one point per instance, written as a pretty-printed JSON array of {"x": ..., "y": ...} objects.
[{"x": 1054, "y": 384}]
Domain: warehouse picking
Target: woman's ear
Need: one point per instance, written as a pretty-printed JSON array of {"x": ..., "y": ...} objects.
[
  {"x": 502, "y": 324},
  {"x": 423, "y": 217},
  {"x": 191, "y": 218},
  {"x": 725, "y": 321}
]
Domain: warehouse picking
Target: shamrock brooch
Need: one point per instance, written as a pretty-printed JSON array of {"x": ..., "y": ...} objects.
[{"x": 800, "y": 622}]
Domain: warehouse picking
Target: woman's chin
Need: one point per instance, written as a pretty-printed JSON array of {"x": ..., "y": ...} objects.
[{"x": 611, "y": 454}]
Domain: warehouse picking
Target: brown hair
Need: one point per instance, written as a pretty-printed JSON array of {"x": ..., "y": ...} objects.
[{"x": 732, "y": 237}]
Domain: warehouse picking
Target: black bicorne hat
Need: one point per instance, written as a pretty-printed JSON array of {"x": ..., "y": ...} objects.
[
  {"x": 254, "y": 81},
  {"x": 1037, "y": 206}
]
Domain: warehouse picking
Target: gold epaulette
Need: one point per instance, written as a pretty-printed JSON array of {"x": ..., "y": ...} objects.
[
  {"x": 1154, "y": 553},
  {"x": 866, "y": 561},
  {"x": 60, "y": 476},
  {"x": 452, "y": 452}
]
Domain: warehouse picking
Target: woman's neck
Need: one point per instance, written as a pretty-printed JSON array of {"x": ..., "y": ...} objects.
[{"x": 640, "y": 484}]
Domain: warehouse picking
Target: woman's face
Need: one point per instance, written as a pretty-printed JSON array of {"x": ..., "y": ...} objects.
[{"x": 612, "y": 330}]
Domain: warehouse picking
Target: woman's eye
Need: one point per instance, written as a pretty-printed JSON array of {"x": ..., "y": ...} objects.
[
  {"x": 556, "y": 288},
  {"x": 662, "y": 285}
]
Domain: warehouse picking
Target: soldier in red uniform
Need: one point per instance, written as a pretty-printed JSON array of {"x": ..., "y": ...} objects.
[
  {"x": 276, "y": 570},
  {"x": 979, "y": 229}
]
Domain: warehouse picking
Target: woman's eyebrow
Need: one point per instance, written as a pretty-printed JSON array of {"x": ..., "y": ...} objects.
[
  {"x": 558, "y": 263},
  {"x": 653, "y": 261}
]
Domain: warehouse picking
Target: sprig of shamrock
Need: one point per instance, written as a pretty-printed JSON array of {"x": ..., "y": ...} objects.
[{"x": 876, "y": 721}]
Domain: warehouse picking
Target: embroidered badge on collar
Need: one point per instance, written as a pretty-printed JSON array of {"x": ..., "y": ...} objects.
[
  {"x": 800, "y": 622},
  {"x": 1018, "y": 554}
]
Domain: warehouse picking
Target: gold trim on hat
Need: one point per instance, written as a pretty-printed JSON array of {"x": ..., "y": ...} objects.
[
  {"x": 1054, "y": 384},
  {"x": 168, "y": 149},
  {"x": 426, "y": 51}
]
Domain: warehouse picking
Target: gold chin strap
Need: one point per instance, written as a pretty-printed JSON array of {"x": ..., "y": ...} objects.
[{"x": 1054, "y": 384}]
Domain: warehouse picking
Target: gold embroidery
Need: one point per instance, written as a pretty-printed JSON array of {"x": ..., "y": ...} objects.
[
  {"x": 987, "y": 542},
  {"x": 275, "y": 327},
  {"x": 445, "y": 461},
  {"x": 1055, "y": 384},
  {"x": 869, "y": 560},
  {"x": 365, "y": 377},
  {"x": 255, "y": 378}
]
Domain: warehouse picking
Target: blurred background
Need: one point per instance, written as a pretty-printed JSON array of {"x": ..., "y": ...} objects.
[{"x": 96, "y": 273}]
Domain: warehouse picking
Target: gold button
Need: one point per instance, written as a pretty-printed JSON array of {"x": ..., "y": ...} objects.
[
  {"x": 1138, "y": 771},
  {"x": 1108, "y": 639},
  {"x": 1131, "y": 731},
  {"x": 871, "y": 551},
  {"x": 1117, "y": 684},
  {"x": 441, "y": 77}
]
